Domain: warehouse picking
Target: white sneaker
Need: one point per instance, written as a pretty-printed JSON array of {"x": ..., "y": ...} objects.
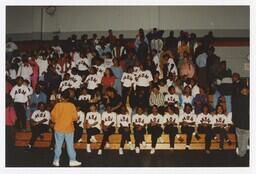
[
  {"x": 29, "y": 146},
  {"x": 152, "y": 151},
  {"x": 237, "y": 151},
  {"x": 56, "y": 163},
  {"x": 74, "y": 163},
  {"x": 121, "y": 152},
  {"x": 172, "y": 148},
  {"x": 137, "y": 150},
  {"x": 99, "y": 152},
  {"x": 107, "y": 145},
  {"x": 88, "y": 148},
  {"x": 93, "y": 139},
  {"x": 80, "y": 140},
  {"x": 161, "y": 140},
  {"x": 248, "y": 147},
  {"x": 144, "y": 144},
  {"x": 131, "y": 145}
]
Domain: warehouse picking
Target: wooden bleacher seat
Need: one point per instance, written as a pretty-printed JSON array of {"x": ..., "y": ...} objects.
[{"x": 22, "y": 139}]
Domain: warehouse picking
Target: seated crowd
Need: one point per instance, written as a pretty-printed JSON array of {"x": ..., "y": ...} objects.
[{"x": 171, "y": 86}]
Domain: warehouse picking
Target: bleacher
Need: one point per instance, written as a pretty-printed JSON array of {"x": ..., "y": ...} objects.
[{"x": 22, "y": 139}]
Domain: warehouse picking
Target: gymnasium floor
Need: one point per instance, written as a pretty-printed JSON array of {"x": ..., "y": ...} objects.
[{"x": 20, "y": 157}]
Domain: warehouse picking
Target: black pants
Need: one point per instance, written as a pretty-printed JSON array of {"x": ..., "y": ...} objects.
[
  {"x": 21, "y": 115},
  {"x": 125, "y": 93},
  {"x": 188, "y": 130},
  {"x": 139, "y": 135},
  {"x": 36, "y": 131},
  {"x": 172, "y": 132},
  {"x": 208, "y": 135},
  {"x": 156, "y": 132},
  {"x": 223, "y": 135},
  {"x": 91, "y": 132},
  {"x": 78, "y": 133},
  {"x": 106, "y": 134},
  {"x": 125, "y": 135}
]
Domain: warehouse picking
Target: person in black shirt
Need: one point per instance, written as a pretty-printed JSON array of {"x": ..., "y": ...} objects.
[
  {"x": 113, "y": 99},
  {"x": 240, "y": 118},
  {"x": 171, "y": 42}
]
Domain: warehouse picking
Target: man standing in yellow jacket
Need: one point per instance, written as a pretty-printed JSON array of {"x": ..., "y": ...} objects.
[{"x": 63, "y": 116}]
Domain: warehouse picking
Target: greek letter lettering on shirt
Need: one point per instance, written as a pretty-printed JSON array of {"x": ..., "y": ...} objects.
[
  {"x": 86, "y": 97},
  {"x": 155, "y": 118},
  {"x": 171, "y": 98},
  {"x": 136, "y": 71},
  {"x": 66, "y": 84},
  {"x": 204, "y": 119},
  {"x": 20, "y": 93},
  {"x": 140, "y": 119},
  {"x": 220, "y": 119},
  {"x": 92, "y": 81},
  {"x": 170, "y": 118},
  {"x": 124, "y": 120},
  {"x": 189, "y": 118},
  {"x": 92, "y": 118},
  {"x": 39, "y": 116},
  {"x": 127, "y": 79},
  {"x": 144, "y": 78},
  {"x": 109, "y": 118}
]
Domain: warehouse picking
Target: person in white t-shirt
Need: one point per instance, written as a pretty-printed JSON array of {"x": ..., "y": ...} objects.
[
  {"x": 92, "y": 81},
  {"x": 143, "y": 81},
  {"x": 25, "y": 70},
  {"x": 171, "y": 98},
  {"x": 221, "y": 126},
  {"x": 186, "y": 97},
  {"x": 75, "y": 78},
  {"x": 42, "y": 63},
  {"x": 20, "y": 94},
  {"x": 156, "y": 58},
  {"x": 108, "y": 124},
  {"x": 143, "y": 78},
  {"x": 188, "y": 122},
  {"x": 128, "y": 81},
  {"x": 123, "y": 124},
  {"x": 79, "y": 125},
  {"x": 154, "y": 127},
  {"x": 82, "y": 65},
  {"x": 140, "y": 121},
  {"x": 195, "y": 88},
  {"x": 93, "y": 122},
  {"x": 204, "y": 126},
  {"x": 66, "y": 83},
  {"x": 171, "y": 123},
  {"x": 40, "y": 123},
  {"x": 100, "y": 68},
  {"x": 12, "y": 72}
]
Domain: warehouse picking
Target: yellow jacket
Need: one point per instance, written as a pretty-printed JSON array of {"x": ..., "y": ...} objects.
[{"x": 63, "y": 116}]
